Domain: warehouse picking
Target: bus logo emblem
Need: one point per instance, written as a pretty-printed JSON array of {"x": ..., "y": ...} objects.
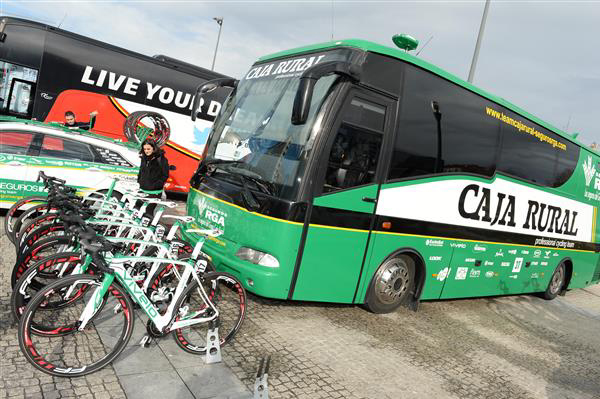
[
  {"x": 461, "y": 273},
  {"x": 589, "y": 170},
  {"x": 441, "y": 276}
]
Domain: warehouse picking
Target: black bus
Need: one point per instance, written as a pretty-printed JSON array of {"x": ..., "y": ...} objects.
[{"x": 47, "y": 71}]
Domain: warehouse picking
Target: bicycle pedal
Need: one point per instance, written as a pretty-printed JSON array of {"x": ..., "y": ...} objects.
[
  {"x": 118, "y": 309},
  {"x": 146, "y": 341}
]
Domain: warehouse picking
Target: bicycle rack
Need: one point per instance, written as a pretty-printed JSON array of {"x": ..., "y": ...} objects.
[
  {"x": 213, "y": 346},
  {"x": 261, "y": 385},
  {"x": 146, "y": 341}
]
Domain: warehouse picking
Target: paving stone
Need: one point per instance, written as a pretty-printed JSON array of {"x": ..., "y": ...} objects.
[
  {"x": 142, "y": 386},
  {"x": 518, "y": 347}
]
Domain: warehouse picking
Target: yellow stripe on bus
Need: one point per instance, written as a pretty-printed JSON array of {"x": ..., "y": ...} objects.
[{"x": 385, "y": 232}]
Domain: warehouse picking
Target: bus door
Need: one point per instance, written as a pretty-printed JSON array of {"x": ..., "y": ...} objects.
[
  {"x": 346, "y": 190},
  {"x": 17, "y": 89}
]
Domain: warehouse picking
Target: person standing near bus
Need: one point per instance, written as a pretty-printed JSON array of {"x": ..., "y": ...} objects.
[
  {"x": 71, "y": 123},
  {"x": 154, "y": 170}
]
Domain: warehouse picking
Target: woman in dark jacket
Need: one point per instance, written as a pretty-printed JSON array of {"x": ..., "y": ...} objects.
[{"x": 154, "y": 169}]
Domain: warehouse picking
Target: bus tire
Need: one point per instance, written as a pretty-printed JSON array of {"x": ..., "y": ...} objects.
[
  {"x": 557, "y": 281},
  {"x": 392, "y": 284}
]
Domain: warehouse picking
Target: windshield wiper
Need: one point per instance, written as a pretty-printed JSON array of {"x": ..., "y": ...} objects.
[
  {"x": 248, "y": 197},
  {"x": 263, "y": 185},
  {"x": 250, "y": 201}
]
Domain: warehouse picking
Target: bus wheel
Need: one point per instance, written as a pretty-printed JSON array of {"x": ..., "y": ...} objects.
[
  {"x": 556, "y": 282},
  {"x": 392, "y": 284}
]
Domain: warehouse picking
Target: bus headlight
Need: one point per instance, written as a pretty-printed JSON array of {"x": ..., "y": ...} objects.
[{"x": 257, "y": 257}]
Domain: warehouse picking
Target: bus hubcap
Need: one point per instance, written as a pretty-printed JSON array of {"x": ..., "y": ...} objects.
[
  {"x": 557, "y": 280},
  {"x": 393, "y": 282}
]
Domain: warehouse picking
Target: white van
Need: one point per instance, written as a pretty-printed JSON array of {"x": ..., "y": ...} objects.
[{"x": 86, "y": 161}]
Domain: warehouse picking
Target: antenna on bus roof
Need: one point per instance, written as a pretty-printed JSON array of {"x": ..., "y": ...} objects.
[
  {"x": 405, "y": 42},
  {"x": 331, "y": 20},
  {"x": 568, "y": 122},
  {"x": 62, "y": 20},
  {"x": 425, "y": 45}
]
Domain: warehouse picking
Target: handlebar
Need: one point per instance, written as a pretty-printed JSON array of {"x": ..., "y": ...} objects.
[
  {"x": 49, "y": 179},
  {"x": 94, "y": 244}
]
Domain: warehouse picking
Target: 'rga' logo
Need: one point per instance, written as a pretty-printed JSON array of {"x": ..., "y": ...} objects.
[
  {"x": 202, "y": 204},
  {"x": 589, "y": 170}
]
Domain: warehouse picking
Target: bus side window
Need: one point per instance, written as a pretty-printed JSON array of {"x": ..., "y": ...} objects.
[{"x": 355, "y": 150}]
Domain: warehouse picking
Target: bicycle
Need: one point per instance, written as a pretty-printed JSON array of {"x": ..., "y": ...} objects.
[{"x": 94, "y": 313}]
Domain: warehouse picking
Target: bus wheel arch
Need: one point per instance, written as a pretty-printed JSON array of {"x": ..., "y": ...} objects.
[
  {"x": 560, "y": 279},
  {"x": 397, "y": 281}
]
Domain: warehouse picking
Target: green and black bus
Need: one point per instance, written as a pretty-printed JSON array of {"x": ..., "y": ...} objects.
[{"x": 356, "y": 173}]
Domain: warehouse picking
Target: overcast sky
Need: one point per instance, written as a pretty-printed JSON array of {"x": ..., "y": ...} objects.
[{"x": 540, "y": 55}]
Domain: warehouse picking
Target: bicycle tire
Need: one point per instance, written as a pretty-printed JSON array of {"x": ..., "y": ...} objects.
[
  {"x": 39, "y": 250},
  {"x": 42, "y": 231},
  {"x": 232, "y": 311},
  {"x": 97, "y": 345},
  {"x": 161, "y": 128},
  {"x": 32, "y": 225},
  {"x": 38, "y": 276},
  {"x": 14, "y": 209},
  {"x": 29, "y": 215}
]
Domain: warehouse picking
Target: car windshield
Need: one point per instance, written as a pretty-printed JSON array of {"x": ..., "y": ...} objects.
[{"x": 253, "y": 136}]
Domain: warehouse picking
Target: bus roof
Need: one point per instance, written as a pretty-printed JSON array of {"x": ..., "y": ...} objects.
[
  {"x": 165, "y": 61},
  {"x": 404, "y": 56},
  {"x": 63, "y": 128}
]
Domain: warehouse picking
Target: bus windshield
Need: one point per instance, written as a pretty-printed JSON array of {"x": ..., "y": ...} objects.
[{"x": 254, "y": 135}]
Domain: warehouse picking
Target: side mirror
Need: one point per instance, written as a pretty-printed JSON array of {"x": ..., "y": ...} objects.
[
  {"x": 309, "y": 79},
  {"x": 209, "y": 86},
  {"x": 172, "y": 167}
]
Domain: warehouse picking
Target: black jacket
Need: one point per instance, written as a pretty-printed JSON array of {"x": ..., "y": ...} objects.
[
  {"x": 83, "y": 125},
  {"x": 154, "y": 171}
]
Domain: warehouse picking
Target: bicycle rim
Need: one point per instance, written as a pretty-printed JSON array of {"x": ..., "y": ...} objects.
[
  {"x": 76, "y": 352},
  {"x": 39, "y": 275},
  {"x": 11, "y": 215},
  {"x": 41, "y": 249}
]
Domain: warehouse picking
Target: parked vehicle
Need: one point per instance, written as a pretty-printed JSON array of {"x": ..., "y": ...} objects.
[
  {"x": 85, "y": 160},
  {"x": 357, "y": 173},
  {"x": 47, "y": 71}
]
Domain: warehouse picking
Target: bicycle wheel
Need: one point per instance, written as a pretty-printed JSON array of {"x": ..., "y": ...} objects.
[
  {"x": 39, "y": 250},
  {"x": 45, "y": 230},
  {"x": 229, "y": 297},
  {"x": 73, "y": 352},
  {"x": 11, "y": 215},
  {"x": 29, "y": 215},
  {"x": 38, "y": 276},
  {"x": 32, "y": 224}
]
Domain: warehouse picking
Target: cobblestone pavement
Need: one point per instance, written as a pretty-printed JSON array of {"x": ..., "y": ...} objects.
[
  {"x": 492, "y": 348},
  {"x": 18, "y": 378}
]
